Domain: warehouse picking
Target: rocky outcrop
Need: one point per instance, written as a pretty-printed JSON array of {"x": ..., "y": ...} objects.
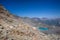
[{"x": 12, "y": 28}]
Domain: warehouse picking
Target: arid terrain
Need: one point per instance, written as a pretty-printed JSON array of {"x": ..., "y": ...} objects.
[{"x": 13, "y": 27}]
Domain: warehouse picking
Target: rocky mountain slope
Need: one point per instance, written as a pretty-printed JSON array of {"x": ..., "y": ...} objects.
[
  {"x": 14, "y": 28},
  {"x": 53, "y": 31}
]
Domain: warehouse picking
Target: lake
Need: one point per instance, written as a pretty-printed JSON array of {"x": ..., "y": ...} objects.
[{"x": 43, "y": 28}]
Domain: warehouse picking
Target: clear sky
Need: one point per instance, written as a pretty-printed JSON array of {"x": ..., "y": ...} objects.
[{"x": 33, "y": 8}]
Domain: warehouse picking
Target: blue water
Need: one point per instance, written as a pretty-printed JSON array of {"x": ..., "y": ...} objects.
[{"x": 43, "y": 28}]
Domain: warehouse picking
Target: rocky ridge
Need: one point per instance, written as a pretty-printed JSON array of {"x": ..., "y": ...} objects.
[{"x": 12, "y": 28}]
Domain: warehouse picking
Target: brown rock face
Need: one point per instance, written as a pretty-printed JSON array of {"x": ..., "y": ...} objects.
[
  {"x": 15, "y": 29},
  {"x": 2, "y": 9}
]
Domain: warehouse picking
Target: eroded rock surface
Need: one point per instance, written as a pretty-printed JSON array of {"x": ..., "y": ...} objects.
[{"x": 12, "y": 28}]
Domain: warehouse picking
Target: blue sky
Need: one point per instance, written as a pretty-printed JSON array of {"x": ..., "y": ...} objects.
[{"x": 33, "y": 8}]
